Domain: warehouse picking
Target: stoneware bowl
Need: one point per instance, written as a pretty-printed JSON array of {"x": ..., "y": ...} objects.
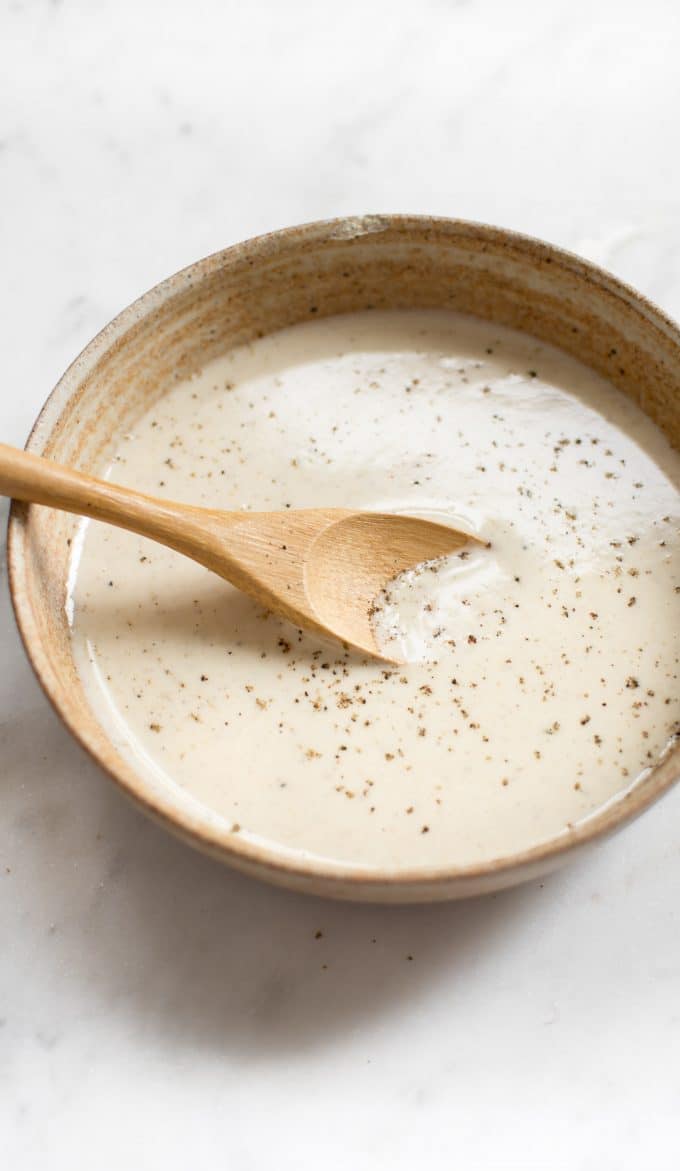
[{"x": 263, "y": 285}]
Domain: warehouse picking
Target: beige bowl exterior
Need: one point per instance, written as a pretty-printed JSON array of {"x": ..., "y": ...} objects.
[{"x": 338, "y": 266}]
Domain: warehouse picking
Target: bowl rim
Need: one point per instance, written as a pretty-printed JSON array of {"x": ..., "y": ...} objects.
[{"x": 272, "y": 861}]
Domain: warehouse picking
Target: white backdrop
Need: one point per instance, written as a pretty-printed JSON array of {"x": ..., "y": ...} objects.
[{"x": 155, "y": 1009}]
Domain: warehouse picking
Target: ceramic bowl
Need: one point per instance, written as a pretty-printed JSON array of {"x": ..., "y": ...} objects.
[{"x": 266, "y": 284}]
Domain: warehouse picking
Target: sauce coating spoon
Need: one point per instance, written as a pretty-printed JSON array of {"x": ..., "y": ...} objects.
[{"x": 322, "y": 568}]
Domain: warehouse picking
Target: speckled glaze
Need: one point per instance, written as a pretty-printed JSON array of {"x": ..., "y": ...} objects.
[{"x": 266, "y": 284}]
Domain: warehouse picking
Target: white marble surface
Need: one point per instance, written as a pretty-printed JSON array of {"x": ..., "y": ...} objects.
[{"x": 157, "y": 1011}]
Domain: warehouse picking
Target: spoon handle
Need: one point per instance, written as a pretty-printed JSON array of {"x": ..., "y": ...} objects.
[{"x": 41, "y": 481}]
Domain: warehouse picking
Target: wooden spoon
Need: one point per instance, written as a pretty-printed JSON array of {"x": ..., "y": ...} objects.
[{"x": 322, "y": 568}]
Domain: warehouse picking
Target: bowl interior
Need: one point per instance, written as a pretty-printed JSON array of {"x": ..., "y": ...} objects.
[{"x": 267, "y": 284}]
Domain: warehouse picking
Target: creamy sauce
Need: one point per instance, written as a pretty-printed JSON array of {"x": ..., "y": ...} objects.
[{"x": 542, "y": 673}]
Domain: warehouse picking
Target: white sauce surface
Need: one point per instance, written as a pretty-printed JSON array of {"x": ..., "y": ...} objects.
[{"x": 545, "y": 672}]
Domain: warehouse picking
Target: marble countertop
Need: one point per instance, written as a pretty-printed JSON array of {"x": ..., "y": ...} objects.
[{"x": 156, "y": 1010}]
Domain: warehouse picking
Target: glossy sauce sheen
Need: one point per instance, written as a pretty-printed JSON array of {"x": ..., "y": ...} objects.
[{"x": 542, "y": 678}]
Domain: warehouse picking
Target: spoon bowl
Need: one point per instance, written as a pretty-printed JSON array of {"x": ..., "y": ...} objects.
[{"x": 355, "y": 556}]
